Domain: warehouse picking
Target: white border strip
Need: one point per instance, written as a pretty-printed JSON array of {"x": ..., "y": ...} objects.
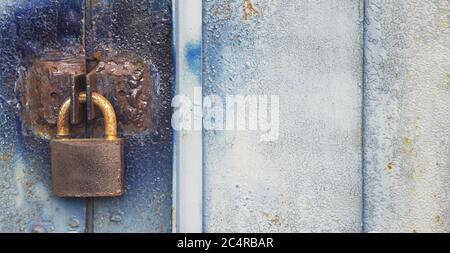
[{"x": 188, "y": 157}]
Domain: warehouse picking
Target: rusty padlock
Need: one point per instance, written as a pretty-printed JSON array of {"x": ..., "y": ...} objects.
[{"x": 89, "y": 167}]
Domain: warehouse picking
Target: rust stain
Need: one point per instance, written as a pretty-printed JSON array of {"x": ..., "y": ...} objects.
[
  {"x": 250, "y": 9},
  {"x": 4, "y": 158},
  {"x": 438, "y": 220},
  {"x": 418, "y": 173},
  {"x": 445, "y": 17},
  {"x": 8, "y": 155},
  {"x": 224, "y": 11},
  {"x": 274, "y": 219},
  {"x": 406, "y": 141},
  {"x": 29, "y": 184},
  {"x": 408, "y": 145},
  {"x": 390, "y": 167}
]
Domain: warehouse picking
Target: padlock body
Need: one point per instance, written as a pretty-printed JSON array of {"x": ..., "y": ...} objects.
[{"x": 87, "y": 167}]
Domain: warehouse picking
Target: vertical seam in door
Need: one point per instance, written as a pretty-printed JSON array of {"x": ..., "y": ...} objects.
[
  {"x": 363, "y": 114},
  {"x": 87, "y": 20}
]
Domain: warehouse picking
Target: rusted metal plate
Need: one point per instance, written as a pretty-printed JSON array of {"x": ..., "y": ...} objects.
[
  {"x": 129, "y": 86},
  {"x": 126, "y": 83},
  {"x": 87, "y": 167},
  {"x": 44, "y": 87}
]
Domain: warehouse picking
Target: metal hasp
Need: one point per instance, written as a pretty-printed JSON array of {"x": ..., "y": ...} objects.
[
  {"x": 126, "y": 82},
  {"x": 43, "y": 88},
  {"x": 87, "y": 167}
]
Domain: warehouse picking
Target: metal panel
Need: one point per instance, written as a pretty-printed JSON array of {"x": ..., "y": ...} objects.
[
  {"x": 29, "y": 29},
  {"x": 142, "y": 30},
  {"x": 407, "y": 112},
  {"x": 188, "y": 182},
  {"x": 309, "y": 53}
]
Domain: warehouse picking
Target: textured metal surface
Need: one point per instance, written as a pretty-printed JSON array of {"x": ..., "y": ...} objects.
[
  {"x": 32, "y": 29},
  {"x": 29, "y": 30},
  {"x": 142, "y": 29},
  {"x": 407, "y": 116},
  {"x": 87, "y": 167},
  {"x": 130, "y": 88},
  {"x": 188, "y": 159},
  {"x": 309, "y": 53},
  {"x": 44, "y": 87}
]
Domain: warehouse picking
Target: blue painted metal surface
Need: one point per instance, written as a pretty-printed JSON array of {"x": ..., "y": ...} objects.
[
  {"x": 309, "y": 53},
  {"x": 141, "y": 30},
  {"x": 27, "y": 30}
]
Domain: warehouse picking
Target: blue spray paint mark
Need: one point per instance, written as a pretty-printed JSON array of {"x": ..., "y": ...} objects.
[{"x": 193, "y": 54}]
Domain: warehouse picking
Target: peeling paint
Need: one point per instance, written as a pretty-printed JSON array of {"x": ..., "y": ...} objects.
[
  {"x": 390, "y": 167},
  {"x": 250, "y": 10}
]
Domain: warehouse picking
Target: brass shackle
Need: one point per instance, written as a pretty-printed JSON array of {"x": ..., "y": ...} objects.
[{"x": 62, "y": 123}]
